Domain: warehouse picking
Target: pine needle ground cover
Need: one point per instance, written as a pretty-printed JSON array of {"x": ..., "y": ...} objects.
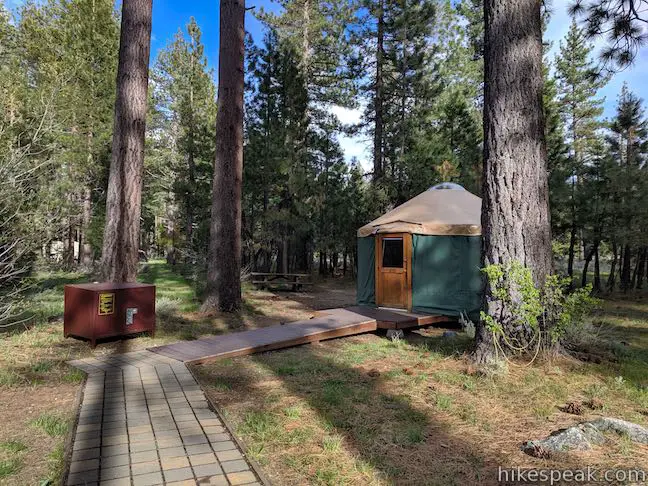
[{"x": 366, "y": 410}]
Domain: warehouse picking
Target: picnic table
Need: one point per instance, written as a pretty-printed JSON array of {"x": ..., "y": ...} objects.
[{"x": 296, "y": 281}]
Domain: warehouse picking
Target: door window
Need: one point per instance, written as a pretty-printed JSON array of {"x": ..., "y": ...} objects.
[{"x": 392, "y": 252}]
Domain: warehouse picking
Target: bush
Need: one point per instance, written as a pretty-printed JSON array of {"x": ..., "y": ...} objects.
[{"x": 532, "y": 315}]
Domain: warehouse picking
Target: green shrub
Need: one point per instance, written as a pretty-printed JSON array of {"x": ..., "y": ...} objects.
[{"x": 532, "y": 315}]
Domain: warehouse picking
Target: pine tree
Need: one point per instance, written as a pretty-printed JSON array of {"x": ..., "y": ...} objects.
[
  {"x": 185, "y": 97},
  {"x": 515, "y": 219},
  {"x": 620, "y": 22},
  {"x": 224, "y": 260},
  {"x": 71, "y": 50},
  {"x": 628, "y": 142},
  {"x": 121, "y": 242},
  {"x": 577, "y": 86}
]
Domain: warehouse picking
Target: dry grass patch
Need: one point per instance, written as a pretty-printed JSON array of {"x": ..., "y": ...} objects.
[{"x": 366, "y": 410}]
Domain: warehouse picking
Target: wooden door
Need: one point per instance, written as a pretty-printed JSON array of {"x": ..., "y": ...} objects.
[{"x": 394, "y": 270}]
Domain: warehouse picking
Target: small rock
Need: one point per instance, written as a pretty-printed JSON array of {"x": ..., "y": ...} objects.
[
  {"x": 408, "y": 371},
  {"x": 449, "y": 334},
  {"x": 374, "y": 373}
]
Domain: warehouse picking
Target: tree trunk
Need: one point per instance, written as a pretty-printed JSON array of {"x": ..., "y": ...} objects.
[
  {"x": 588, "y": 259},
  {"x": 120, "y": 253},
  {"x": 223, "y": 276},
  {"x": 572, "y": 250},
  {"x": 85, "y": 249},
  {"x": 191, "y": 193},
  {"x": 68, "y": 259},
  {"x": 625, "y": 268},
  {"x": 641, "y": 268},
  {"x": 596, "y": 288},
  {"x": 322, "y": 264},
  {"x": 515, "y": 212},
  {"x": 284, "y": 255},
  {"x": 378, "y": 93},
  {"x": 612, "y": 277}
]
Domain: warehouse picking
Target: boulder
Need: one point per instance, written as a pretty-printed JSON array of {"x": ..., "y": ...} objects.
[
  {"x": 583, "y": 436},
  {"x": 580, "y": 437},
  {"x": 634, "y": 432}
]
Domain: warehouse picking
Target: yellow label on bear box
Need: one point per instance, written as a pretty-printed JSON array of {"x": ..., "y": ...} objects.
[{"x": 106, "y": 304}]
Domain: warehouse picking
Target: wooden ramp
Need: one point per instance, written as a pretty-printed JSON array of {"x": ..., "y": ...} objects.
[
  {"x": 398, "y": 319},
  {"x": 332, "y": 324}
]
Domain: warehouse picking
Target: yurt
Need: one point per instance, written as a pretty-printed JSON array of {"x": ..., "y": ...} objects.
[{"x": 424, "y": 255}]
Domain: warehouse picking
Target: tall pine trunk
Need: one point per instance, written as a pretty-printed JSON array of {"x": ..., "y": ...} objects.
[
  {"x": 588, "y": 259},
  {"x": 611, "y": 281},
  {"x": 641, "y": 267},
  {"x": 596, "y": 288},
  {"x": 515, "y": 211},
  {"x": 124, "y": 198},
  {"x": 626, "y": 265},
  {"x": 378, "y": 93},
  {"x": 572, "y": 249},
  {"x": 224, "y": 266},
  {"x": 85, "y": 249}
]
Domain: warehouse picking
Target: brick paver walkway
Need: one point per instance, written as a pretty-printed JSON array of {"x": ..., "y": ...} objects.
[{"x": 145, "y": 421}]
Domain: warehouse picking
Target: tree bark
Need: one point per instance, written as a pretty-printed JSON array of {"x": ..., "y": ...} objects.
[
  {"x": 641, "y": 268},
  {"x": 68, "y": 246},
  {"x": 572, "y": 250},
  {"x": 588, "y": 259},
  {"x": 625, "y": 268},
  {"x": 224, "y": 266},
  {"x": 612, "y": 277},
  {"x": 284, "y": 255},
  {"x": 596, "y": 288},
  {"x": 379, "y": 94},
  {"x": 515, "y": 212},
  {"x": 85, "y": 249},
  {"x": 120, "y": 253}
]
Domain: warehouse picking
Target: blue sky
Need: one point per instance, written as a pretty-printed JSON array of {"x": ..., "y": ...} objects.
[{"x": 170, "y": 15}]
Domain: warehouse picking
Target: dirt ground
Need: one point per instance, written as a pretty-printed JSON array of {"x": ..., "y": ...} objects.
[{"x": 19, "y": 408}]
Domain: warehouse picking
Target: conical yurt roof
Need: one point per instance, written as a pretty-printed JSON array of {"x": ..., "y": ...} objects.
[{"x": 444, "y": 209}]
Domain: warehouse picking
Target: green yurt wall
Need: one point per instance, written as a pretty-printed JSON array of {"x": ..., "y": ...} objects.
[
  {"x": 366, "y": 278},
  {"x": 446, "y": 276}
]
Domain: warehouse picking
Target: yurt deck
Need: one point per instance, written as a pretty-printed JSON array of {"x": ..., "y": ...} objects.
[
  {"x": 397, "y": 319},
  {"x": 327, "y": 324}
]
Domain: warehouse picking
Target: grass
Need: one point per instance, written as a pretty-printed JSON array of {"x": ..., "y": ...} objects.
[
  {"x": 13, "y": 446},
  {"x": 367, "y": 410},
  {"x": 52, "y": 425},
  {"x": 11, "y": 461},
  {"x": 9, "y": 467}
]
